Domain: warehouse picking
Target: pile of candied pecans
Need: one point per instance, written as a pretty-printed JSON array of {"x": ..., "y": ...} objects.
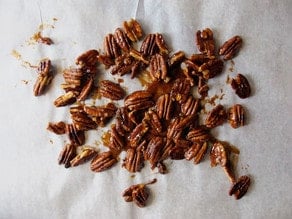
[{"x": 162, "y": 121}]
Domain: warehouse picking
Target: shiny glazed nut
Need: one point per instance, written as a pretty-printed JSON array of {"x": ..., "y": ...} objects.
[
  {"x": 153, "y": 121},
  {"x": 86, "y": 154},
  {"x": 111, "y": 90},
  {"x": 176, "y": 59},
  {"x": 139, "y": 100},
  {"x": 190, "y": 106},
  {"x": 67, "y": 154},
  {"x": 44, "y": 78},
  {"x": 148, "y": 46},
  {"x": 199, "y": 134},
  {"x": 117, "y": 142},
  {"x": 180, "y": 90},
  {"x": 203, "y": 88},
  {"x": 236, "y": 117},
  {"x": 87, "y": 59},
  {"x": 81, "y": 120},
  {"x": 138, "y": 56},
  {"x": 58, "y": 128},
  {"x": 106, "y": 60},
  {"x": 216, "y": 117},
  {"x": 158, "y": 68},
  {"x": 205, "y": 42},
  {"x": 123, "y": 123},
  {"x": 106, "y": 111},
  {"x": 153, "y": 151},
  {"x": 137, "y": 134},
  {"x": 218, "y": 155},
  {"x": 164, "y": 107},
  {"x": 122, "y": 40},
  {"x": 73, "y": 76},
  {"x": 77, "y": 137},
  {"x": 134, "y": 160},
  {"x": 160, "y": 42},
  {"x": 133, "y": 30},
  {"x": 230, "y": 48},
  {"x": 86, "y": 89},
  {"x": 65, "y": 99},
  {"x": 103, "y": 161},
  {"x": 111, "y": 47},
  {"x": 240, "y": 187},
  {"x": 241, "y": 86},
  {"x": 125, "y": 64},
  {"x": 211, "y": 68}
]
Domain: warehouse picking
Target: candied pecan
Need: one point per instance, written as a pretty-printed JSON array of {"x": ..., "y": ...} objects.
[
  {"x": 241, "y": 86},
  {"x": 160, "y": 42},
  {"x": 148, "y": 46},
  {"x": 218, "y": 154},
  {"x": 197, "y": 151},
  {"x": 203, "y": 88},
  {"x": 134, "y": 160},
  {"x": 198, "y": 59},
  {"x": 139, "y": 100},
  {"x": 117, "y": 142},
  {"x": 181, "y": 90},
  {"x": 105, "y": 60},
  {"x": 190, "y": 106},
  {"x": 177, "y": 153},
  {"x": 122, "y": 40},
  {"x": 164, "y": 107},
  {"x": 86, "y": 89},
  {"x": 154, "y": 151},
  {"x": 153, "y": 121},
  {"x": 230, "y": 48},
  {"x": 205, "y": 42},
  {"x": 176, "y": 59},
  {"x": 199, "y": 134},
  {"x": 124, "y": 64},
  {"x": 73, "y": 76},
  {"x": 137, "y": 134},
  {"x": 138, "y": 193},
  {"x": 111, "y": 90},
  {"x": 58, "y": 128},
  {"x": 236, "y": 116},
  {"x": 158, "y": 68},
  {"x": 111, "y": 47},
  {"x": 88, "y": 59},
  {"x": 123, "y": 123},
  {"x": 65, "y": 99},
  {"x": 67, "y": 154},
  {"x": 77, "y": 137},
  {"x": 133, "y": 30},
  {"x": 211, "y": 68},
  {"x": 106, "y": 111},
  {"x": 86, "y": 154},
  {"x": 81, "y": 119},
  {"x": 138, "y": 56},
  {"x": 173, "y": 133},
  {"x": 216, "y": 117},
  {"x": 166, "y": 149},
  {"x": 44, "y": 78},
  {"x": 240, "y": 187},
  {"x": 103, "y": 161}
]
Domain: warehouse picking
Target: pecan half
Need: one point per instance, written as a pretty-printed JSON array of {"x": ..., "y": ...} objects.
[
  {"x": 216, "y": 117},
  {"x": 218, "y": 155},
  {"x": 58, "y": 128},
  {"x": 139, "y": 100},
  {"x": 86, "y": 154},
  {"x": 86, "y": 89},
  {"x": 73, "y": 76},
  {"x": 203, "y": 88},
  {"x": 65, "y": 99},
  {"x": 190, "y": 106},
  {"x": 44, "y": 78},
  {"x": 241, "y": 86},
  {"x": 205, "y": 42},
  {"x": 67, "y": 154},
  {"x": 162, "y": 169},
  {"x": 153, "y": 120},
  {"x": 199, "y": 134},
  {"x": 137, "y": 134},
  {"x": 134, "y": 160},
  {"x": 81, "y": 120},
  {"x": 176, "y": 59},
  {"x": 138, "y": 56},
  {"x": 103, "y": 161},
  {"x": 211, "y": 68},
  {"x": 230, "y": 48},
  {"x": 161, "y": 44},
  {"x": 106, "y": 111},
  {"x": 77, "y": 137},
  {"x": 111, "y": 47},
  {"x": 181, "y": 90},
  {"x": 148, "y": 46},
  {"x": 164, "y": 107},
  {"x": 240, "y": 187},
  {"x": 158, "y": 68},
  {"x": 154, "y": 151},
  {"x": 236, "y": 117},
  {"x": 88, "y": 59},
  {"x": 122, "y": 40},
  {"x": 124, "y": 64},
  {"x": 123, "y": 123},
  {"x": 133, "y": 30},
  {"x": 197, "y": 151},
  {"x": 105, "y": 60},
  {"x": 111, "y": 90},
  {"x": 117, "y": 142}
]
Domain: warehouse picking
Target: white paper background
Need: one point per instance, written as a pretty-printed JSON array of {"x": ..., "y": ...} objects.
[{"x": 33, "y": 185}]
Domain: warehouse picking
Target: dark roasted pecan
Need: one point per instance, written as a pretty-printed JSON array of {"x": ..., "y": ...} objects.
[
  {"x": 122, "y": 40},
  {"x": 111, "y": 90},
  {"x": 236, "y": 116},
  {"x": 139, "y": 100},
  {"x": 134, "y": 160},
  {"x": 138, "y": 193},
  {"x": 133, "y": 30},
  {"x": 230, "y": 48},
  {"x": 154, "y": 151},
  {"x": 158, "y": 68},
  {"x": 160, "y": 42},
  {"x": 65, "y": 99},
  {"x": 77, "y": 137},
  {"x": 203, "y": 88},
  {"x": 176, "y": 59},
  {"x": 87, "y": 60},
  {"x": 103, "y": 161},
  {"x": 211, "y": 68},
  {"x": 240, "y": 187},
  {"x": 86, "y": 154},
  {"x": 117, "y": 142},
  {"x": 149, "y": 46},
  {"x": 67, "y": 154},
  {"x": 86, "y": 89},
  {"x": 216, "y": 117},
  {"x": 205, "y": 42},
  {"x": 153, "y": 120},
  {"x": 137, "y": 134},
  {"x": 177, "y": 153},
  {"x": 164, "y": 107},
  {"x": 123, "y": 123},
  {"x": 241, "y": 86},
  {"x": 181, "y": 90},
  {"x": 81, "y": 119},
  {"x": 190, "y": 106},
  {"x": 111, "y": 47},
  {"x": 196, "y": 151},
  {"x": 44, "y": 78},
  {"x": 199, "y": 134},
  {"x": 58, "y": 128},
  {"x": 218, "y": 154}
]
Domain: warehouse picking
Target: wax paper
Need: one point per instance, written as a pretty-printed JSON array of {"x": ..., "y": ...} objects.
[{"x": 33, "y": 185}]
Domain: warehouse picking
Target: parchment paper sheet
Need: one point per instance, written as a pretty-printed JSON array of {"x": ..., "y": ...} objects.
[{"x": 33, "y": 185}]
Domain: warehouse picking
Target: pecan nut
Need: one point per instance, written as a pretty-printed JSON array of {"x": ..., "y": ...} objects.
[
  {"x": 44, "y": 78},
  {"x": 58, "y": 128},
  {"x": 154, "y": 151},
  {"x": 197, "y": 152},
  {"x": 148, "y": 46},
  {"x": 164, "y": 107},
  {"x": 73, "y": 76},
  {"x": 86, "y": 154},
  {"x": 67, "y": 154},
  {"x": 133, "y": 30},
  {"x": 117, "y": 142},
  {"x": 199, "y": 134},
  {"x": 153, "y": 120},
  {"x": 203, "y": 88},
  {"x": 218, "y": 155},
  {"x": 240, "y": 187},
  {"x": 86, "y": 89},
  {"x": 122, "y": 40},
  {"x": 181, "y": 89},
  {"x": 134, "y": 160},
  {"x": 138, "y": 134},
  {"x": 139, "y": 100},
  {"x": 176, "y": 59},
  {"x": 190, "y": 106},
  {"x": 88, "y": 59},
  {"x": 124, "y": 64},
  {"x": 103, "y": 161},
  {"x": 161, "y": 44},
  {"x": 236, "y": 116},
  {"x": 77, "y": 137},
  {"x": 81, "y": 120},
  {"x": 216, "y": 117},
  {"x": 230, "y": 48},
  {"x": 211, "y": 68},
  {"x": 106, "y": 111},
  {"x": 205, "y": 42},
  {"x": 123, "y": 123},
  {"x": 158, "y": 68},
  {"x": 241, "y": 86},
  {"x": 111, "y": 47},
  {"x": 111, "y": 90},
  {"x": 65, "y": 99}
]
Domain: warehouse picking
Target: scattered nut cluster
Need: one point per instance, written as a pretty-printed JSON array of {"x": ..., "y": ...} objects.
[{"x": 157, "y": 123}]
